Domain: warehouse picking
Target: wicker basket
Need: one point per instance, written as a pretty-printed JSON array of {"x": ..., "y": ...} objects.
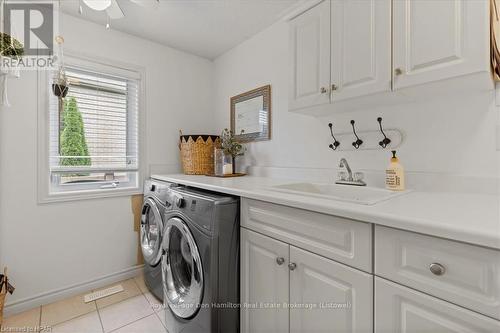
[
  {"x": 3, "y": 293},
  {"x": 197, "y": 153}
]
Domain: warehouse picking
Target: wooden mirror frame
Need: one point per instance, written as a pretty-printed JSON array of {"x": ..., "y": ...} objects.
[{"x": 265, "y": 92}]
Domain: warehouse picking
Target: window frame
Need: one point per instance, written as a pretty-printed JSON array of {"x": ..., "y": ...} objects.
[{"x": 97, "y": 64}]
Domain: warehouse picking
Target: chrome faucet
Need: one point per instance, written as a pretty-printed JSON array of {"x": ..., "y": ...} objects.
[
  {"x": 356, "y": 179},
  {"x": 343, "y": 164}
]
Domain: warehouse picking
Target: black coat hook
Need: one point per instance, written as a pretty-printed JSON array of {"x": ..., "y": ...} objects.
[
  {"x": 358, "y": 141},
  {"x": 335, "y": 143},
  {"x": 385, "y": 142}
]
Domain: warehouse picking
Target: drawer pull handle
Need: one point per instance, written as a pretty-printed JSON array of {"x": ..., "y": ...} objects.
[
  {"x": 437, "y": 269},
  {"x": 280, "y": 260},
  {"x": 292, "y": 266}
]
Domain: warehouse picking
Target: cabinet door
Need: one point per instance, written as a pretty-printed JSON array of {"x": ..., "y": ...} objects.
[
  {"x": 310, "y": 57},
  {"x": 326, "y": 296},
  {"x": 264, "y": 283},
  {"x": 400, "y": 309},
  {"x": 435, "y": 40},
  {"x": 360, "y": 48}
]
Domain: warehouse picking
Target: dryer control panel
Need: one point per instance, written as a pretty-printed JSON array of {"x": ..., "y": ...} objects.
[{"x": 201, "y": 207}]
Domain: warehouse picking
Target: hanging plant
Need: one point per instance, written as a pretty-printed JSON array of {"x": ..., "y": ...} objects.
[
  {"x": 60, "y": 85},
  {"x": 10, "y": 47},
  {"x": 13, "y": 49}
]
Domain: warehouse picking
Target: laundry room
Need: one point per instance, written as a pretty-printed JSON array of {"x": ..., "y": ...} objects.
[{"x": 249, "y": 166}]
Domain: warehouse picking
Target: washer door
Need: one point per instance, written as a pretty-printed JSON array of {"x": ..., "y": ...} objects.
[
  {"x": 151, "y": 227},
  {"x": 182, "y": 270}
]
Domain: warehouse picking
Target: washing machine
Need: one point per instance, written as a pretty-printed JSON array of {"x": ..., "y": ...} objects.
[
  {"x": 151, "y": 232},
  {"x": 200, "y": 263}
]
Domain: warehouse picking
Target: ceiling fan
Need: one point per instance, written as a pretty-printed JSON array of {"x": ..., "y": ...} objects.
[{"x": 112, "y": 8}]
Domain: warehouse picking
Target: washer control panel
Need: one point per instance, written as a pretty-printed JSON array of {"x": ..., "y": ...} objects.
[{"x": 157, "y": 189}]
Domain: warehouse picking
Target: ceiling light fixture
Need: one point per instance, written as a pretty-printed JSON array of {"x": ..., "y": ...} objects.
[
  {"x": 112, "y": 7},
  {"x": 98, "y": 4}
]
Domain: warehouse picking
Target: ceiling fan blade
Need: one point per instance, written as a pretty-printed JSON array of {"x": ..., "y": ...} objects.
[
  {"x": 114, "y": 11},
  {"x": 139, "y": 2}
]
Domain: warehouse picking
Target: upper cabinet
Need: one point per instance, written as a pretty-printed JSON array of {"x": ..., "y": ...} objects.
[
  {"x": 310, "y": 57},
  {"x": 436, "y": 40},
  {"x": 349, "y": 53},
  {"x": 360, "y": 48}
]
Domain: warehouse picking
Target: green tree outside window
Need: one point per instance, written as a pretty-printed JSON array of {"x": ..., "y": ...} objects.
[{"x": 72, "y": 140}]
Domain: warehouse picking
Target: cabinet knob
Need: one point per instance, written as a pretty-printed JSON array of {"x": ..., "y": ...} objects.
[
  {"x": 437, "y": 269},
  {"x": 398, "y": 71},
  {"x": 292, "y": 266},
  {"x": 323, "y": 90},
  {"x": 334, "y": 87},
  {"x": 280, "y": 260}
]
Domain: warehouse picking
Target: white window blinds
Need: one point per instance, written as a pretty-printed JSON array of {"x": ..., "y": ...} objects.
[{"x": 95, "y": 129}]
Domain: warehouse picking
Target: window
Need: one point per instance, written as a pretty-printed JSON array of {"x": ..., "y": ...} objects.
[{"x": 93, "y": 134}]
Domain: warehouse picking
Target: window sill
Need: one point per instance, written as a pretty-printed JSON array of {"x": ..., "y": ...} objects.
[{"x": 88, "y": 195}]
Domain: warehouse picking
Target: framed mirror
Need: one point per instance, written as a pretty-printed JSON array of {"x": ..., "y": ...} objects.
[{"x": 251, "y": 115}]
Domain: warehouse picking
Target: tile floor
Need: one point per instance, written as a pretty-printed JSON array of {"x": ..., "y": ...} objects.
[{"x": 133, "y": 310}]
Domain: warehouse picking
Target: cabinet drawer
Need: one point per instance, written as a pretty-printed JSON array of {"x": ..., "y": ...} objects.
[
  {"x": 400, "y": 309},
  {"x": 464, "y": 274},
  {"x": 343, "y": 240}
]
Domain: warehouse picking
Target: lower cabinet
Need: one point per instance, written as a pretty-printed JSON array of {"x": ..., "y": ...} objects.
[
  {"x": 400, "y": 309},
  {"x": 264, "y": 281},
  {"x": 340, "y": 297},
  {"x": 297, "y": 284},
  {"x": 287, "y": 289}
]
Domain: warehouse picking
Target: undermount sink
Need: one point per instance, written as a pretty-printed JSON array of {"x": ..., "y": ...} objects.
[{"x": 355, "y": 194}]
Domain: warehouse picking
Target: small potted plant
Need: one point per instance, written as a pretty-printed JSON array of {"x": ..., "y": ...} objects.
[{"x": 231, "y": 146}]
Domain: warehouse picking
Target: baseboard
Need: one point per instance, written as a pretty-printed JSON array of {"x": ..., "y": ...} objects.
[{"x": 56, "y": 295}]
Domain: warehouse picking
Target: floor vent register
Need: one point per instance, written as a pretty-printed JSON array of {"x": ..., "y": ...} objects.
[{"x": 103, "y": 293}]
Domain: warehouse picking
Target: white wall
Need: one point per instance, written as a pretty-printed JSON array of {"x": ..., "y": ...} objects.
[
  {"x": 48, "y": 247},
  {"x": 455, "y": 136}
]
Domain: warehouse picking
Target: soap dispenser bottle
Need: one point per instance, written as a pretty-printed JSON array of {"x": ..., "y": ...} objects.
[{"x": 395, "y": 175}]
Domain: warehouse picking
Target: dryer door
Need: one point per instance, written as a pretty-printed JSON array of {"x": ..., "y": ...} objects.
[
  {"x": 151, "y": 228},
  {"x": 182, "y": 270}
]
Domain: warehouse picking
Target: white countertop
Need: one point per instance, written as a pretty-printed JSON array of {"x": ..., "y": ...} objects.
[{"x": 470, "y": 218}]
